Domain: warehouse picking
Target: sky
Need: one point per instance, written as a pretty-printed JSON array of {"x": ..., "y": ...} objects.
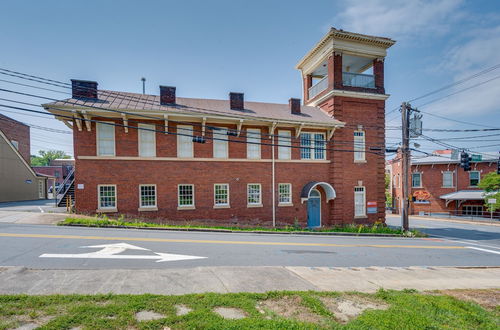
[{"x": 210, "y": 48}]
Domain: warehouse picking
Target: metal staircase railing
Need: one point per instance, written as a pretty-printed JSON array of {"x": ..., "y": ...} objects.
[{"x": 65, "y": 186}]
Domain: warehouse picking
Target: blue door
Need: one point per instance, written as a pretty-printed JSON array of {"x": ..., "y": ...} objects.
[{"x": 314, "y": 209}]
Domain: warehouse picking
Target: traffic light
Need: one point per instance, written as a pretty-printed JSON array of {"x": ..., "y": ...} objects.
[{"x": 465, "y": 161}]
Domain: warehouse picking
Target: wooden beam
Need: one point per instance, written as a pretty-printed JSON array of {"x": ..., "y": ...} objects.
[
  {"x": 67, "y": 124},
  {"x": 272, "y": 128},
  {"x": 299, "y": 130},
  {"x": 78, "y": 122},
  {"x": 240, "y": 124},
  {"x": 203, "y": 126},
  {"x": 125, "y": 122},
  {"x": 330, "y": 133},
  {"x": 88, "y": 123},
  {"x": 166, "y": 123}
]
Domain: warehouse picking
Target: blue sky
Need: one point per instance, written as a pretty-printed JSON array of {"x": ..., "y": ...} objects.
[{"x": 209, "y": 48}]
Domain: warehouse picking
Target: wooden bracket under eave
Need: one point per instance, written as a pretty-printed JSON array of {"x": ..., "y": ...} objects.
[
  {"x": 299, "y": 130},
  {"x": 240, "y": 125},
  {"x": 330, "y": 133},
  {"x": 78, "y": 122},
  {"x": 88, "y": 123},
  {"x": 67, "y": 124},
  {"x": 203, "y": 126},
  {"x": 166, "y": 123},
  {"x": 125, "y": 122},
  {"x": 272, "y": 128}
]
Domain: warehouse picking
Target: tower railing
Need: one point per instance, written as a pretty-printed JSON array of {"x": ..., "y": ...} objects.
[
  {"x": 358, "y": 80},
  {"x": 318, "y": 87}
]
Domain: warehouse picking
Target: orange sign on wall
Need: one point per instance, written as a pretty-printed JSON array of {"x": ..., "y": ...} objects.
[{"x": 422, "y": 195}]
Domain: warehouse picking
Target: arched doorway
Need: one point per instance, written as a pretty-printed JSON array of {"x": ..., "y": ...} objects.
[{"x": 314, "y": 209}]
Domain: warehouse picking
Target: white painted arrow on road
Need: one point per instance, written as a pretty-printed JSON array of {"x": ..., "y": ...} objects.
[{"x": 111, "y": 251}]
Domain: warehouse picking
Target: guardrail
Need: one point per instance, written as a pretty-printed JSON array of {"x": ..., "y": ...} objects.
[
  {"x": 318, "y": 87},
  {"x": 63, "y": 188},
  {"x": 358, "y": 80},
  {"x": 458, "y": 214}
]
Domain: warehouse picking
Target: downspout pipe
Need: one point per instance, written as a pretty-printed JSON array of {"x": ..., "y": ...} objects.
[{"x": 273, "y": 170}]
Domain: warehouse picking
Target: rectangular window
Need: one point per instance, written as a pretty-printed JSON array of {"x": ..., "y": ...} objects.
[
  {"x": 15, "y": 144},
  {"x": 147, "y": 140},
  {"x": 474, "y": 177},
  {"x": 447, "y": 179},
  {"x": 472, "y": 210},
  {"x": 254, "y": 194},
  {"x": 148, "y": 195},
  {"x": 285, "y": 145},
  {"x": 253, "y": 143},
  {"x": 41, "y": 190},
  {"x": 186, "y": 195},
  {"x": 312, "y": 146},
  {"x": 359, "y": 146},
  {"x": 107, "y": 196},
  {"x": 220, "y": 142},
  {"x": 105, "y": 139},
  {"x": 359, "y": 202},
  {"x": 221, "y": 194},
  {"x": 285, "y": 193},
  {"x": 184, "y": 141},
  {"x": 416, "y": 180},
  {"x": 57, "y": 174}
]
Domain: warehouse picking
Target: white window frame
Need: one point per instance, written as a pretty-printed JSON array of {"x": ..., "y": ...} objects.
[
  {"x": 185, "y": 130},
  {"x": 420, "y": 175},
  {"x": 359, "y": 146},
  {"x": 185, "y": 206},
  {"x": 478, "y": 178},
  {"x": 254, "y": 136},
  {"x": 142, "y": 143},
  {"x": 15, "y": 144},
  {"x": 360, "y": 190},
  {"x": 254, "y": 204},
  {"x": 98, "y": 138},
  {"x": 290, "y": 200},
  {"x": 148, "y": 207},
  {"x": 451, "y": 173},
  {"x": 107, "y": 208},
  {"x": 284, "y": 144},
  {"x": 471, "y": 209},
  {"x": 312, "y": 146},
  {"x": 221, "y": 205},
  {"x": 220, "y": 141}
]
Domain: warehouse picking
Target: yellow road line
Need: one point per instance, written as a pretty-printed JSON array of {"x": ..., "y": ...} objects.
[{"x": 146, "y": 239}]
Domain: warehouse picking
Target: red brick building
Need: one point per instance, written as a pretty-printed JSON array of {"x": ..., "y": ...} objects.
[
  {"x": 259, "y": 163},
  {"x": 440, "y": 185},
  {"x": 18, "y": 134},
  {"x": 58, "y": 169}
]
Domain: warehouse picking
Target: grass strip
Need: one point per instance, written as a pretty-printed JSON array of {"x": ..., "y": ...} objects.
[
  {"x": 355, "y": 229},
  {"x": 406, "y": 309}
]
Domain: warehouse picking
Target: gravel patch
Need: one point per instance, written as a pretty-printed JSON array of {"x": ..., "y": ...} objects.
[
  {"x": 182, "y": 310},
  {"x": 230, "y": 313},
  {"x": 148, "y": 316},
  {"x": 347, "y": 307},
  {"x": 289, "y": 307}
]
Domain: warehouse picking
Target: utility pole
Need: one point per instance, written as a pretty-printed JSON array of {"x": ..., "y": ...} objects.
[{"x": 405, "y": 161}]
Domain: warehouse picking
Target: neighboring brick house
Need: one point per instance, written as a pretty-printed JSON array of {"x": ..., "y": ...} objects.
[
  {"x": 18, "y": 181},
  {"x": 58, "y": 169},
  {"x": 18, "y": 134},
  {"x": 439, "y": 184},
  {"x": 320, "y": 171}
]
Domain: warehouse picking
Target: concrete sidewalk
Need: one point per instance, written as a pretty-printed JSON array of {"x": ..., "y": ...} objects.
[
  {"x": 31, "y": 217},
  {"x": 19, "y": 280}
]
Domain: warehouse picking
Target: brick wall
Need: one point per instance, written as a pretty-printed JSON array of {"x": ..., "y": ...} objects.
[
  {"x": 128, "y": 174},
  {"x": 344, "y": 172},
  {"x": 18, "y": 131}
]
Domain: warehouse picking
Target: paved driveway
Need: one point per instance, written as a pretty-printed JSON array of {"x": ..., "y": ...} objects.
[
  {"x": 39, "y": 206},
  {"x": 41, "y": 211}
]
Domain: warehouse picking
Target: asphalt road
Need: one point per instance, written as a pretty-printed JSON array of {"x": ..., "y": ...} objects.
[
  {"x": 62, "y": 248},
  {"x": 475, "y": 234}
]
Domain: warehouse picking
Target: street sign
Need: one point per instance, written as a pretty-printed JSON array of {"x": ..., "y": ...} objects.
[
  {"x": 492, "y": 200},
  {"x": 476, "y": 158},
  {"x": 371, "y": 207},
  {"x": 112, "y": 251}
]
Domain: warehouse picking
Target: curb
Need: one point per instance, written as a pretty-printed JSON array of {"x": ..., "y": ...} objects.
[{"x": 243, "y": 231}]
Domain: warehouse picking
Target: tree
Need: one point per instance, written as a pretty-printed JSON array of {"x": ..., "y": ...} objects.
[
  {"x": 490, "y": 183},
  {"x": 388, "y": 195},
  {"x": 46, "y": 156}
]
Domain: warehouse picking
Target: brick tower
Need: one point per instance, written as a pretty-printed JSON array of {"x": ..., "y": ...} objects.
[{"x": 343, "y": 74}]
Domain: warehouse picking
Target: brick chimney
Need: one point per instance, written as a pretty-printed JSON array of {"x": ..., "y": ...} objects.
[
  {"x": 236, "y": 101},
  {"x": 83, "y": 89},
  {"x": 167, "y": 95},
  {"x": 294, "y": 105}
]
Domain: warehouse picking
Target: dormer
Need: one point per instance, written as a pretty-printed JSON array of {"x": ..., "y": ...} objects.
[{"x": 344, "y": 62}]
